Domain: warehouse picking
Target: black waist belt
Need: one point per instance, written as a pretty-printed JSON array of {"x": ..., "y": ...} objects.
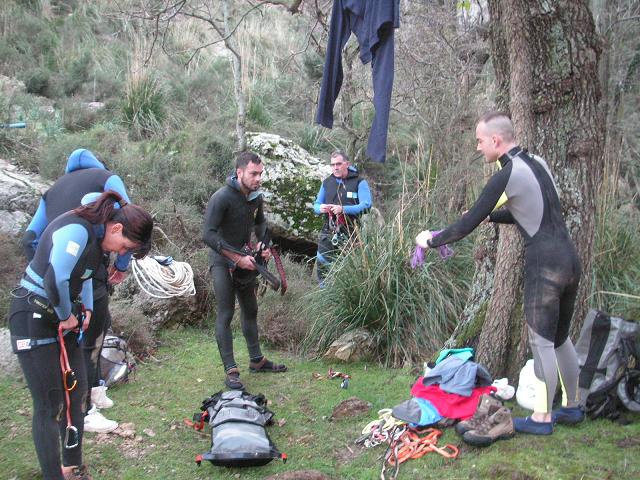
[{"x": 23, "y": 344}]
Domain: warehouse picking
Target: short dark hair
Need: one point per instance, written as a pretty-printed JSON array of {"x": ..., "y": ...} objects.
[
  {"x": 243, "y": 159},
  {"x": 340, "y": 153}
]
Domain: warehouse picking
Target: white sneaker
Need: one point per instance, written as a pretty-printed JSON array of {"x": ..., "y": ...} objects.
[
  {"x": 99, "y": 397},
  {"x": 94, "y": 421}
]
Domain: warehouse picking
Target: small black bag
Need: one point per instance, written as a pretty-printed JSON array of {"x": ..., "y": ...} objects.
[{"x": 238, "y": 434}]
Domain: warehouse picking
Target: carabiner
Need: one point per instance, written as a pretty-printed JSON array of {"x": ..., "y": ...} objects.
[
  {"x": 71, "y": 432},
  {"x": 71, "y": 373}
]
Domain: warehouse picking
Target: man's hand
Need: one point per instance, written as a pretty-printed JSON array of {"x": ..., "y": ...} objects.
[
  {"x": 246, "y": 262},
  {"x": 325, "y": 208},
  {"x": 337, "y": 209},
  {"x": 69, "y": 323},
  {"x": 264, "y": 252},
  {"x": 422, "y": 238},
  {"x": 115, "y": 276}
]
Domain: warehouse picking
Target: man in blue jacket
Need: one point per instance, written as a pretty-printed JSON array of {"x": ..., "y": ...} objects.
[
  {"x": 84, "y": 174},
  {"x": 342, "y": 199}
]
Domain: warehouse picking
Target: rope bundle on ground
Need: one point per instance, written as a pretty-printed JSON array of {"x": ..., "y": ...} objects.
[{"x": 163, "y": 277}]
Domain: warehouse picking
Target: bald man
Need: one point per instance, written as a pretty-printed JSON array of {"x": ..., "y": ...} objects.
[{"x": 551, "y": 264}]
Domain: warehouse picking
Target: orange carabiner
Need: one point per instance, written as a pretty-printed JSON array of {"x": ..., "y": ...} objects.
[{"x": 65, "y": 380}]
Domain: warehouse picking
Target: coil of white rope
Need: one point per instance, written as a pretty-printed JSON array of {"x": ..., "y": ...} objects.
[{"x": 163, "y": 277}]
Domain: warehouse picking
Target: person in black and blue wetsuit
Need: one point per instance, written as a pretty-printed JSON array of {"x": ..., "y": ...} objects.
[
  {"x": 551, "y": 265},
  {"x": 342, "y": 199},
  {"x": 84, "y": 174},
  {"x": 69, "y": 253}
]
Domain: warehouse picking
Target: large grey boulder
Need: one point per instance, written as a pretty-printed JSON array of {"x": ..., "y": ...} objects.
[
  {"x": 291, "y": 182},
  {"x": 19, "y": 194}
]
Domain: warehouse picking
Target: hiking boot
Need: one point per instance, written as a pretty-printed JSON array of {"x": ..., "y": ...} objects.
[
  {"x": 497, "y": 426},
  {"x": 78, "y": 473},
  {"x": 567, "y": 415},
  {"x": 232, "y": 379},
  {"x": 265, "y": 365},
  {"x": 94, "y": 421},
  {"x": 99, "y": 397},
  {"x": 488, "y": 405},
  {"x": 529, "y": 425}
]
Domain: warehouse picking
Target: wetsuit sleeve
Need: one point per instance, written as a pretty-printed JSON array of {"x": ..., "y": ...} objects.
[
  {"x": 115, "y": 184},
  {"x": 87, "y": 294},
  {"x": 501, "y": 215},
  {"x": 320, "y": 199},
  {"x": 485, "y": 203},
  {"x": 364, "y": 200},
  {"x": 68, "y": 244},
  {"x": 212, "y": 220},
  {"x": 260, "y": 225},
  {"x": 34, "y": 231}
]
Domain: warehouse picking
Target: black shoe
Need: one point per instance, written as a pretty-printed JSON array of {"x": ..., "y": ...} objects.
[{"x": 232, "y": 379}]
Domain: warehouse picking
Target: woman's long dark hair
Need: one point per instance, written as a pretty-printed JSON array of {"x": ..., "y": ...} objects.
[{"x": 137, "y": 224}]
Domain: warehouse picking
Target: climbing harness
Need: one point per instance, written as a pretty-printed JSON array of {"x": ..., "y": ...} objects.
[
  {"x": 163, "y": 277},
  {"x": 69, "y": 383},
  {"x": 379, "y": 431},
  {"x": 338, "y": 226},
  {"x": 276, "y": 283},
  {"x": 344, "y": 376}
]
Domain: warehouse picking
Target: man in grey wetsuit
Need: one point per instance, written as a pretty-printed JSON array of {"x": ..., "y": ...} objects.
[
  {"x": 551, "y": 264},
  {"x": 233, "y": 212}
]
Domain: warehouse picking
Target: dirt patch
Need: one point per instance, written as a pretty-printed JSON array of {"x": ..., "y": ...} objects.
[
  {"x": 299, "y": 475},
  {"x": 628, "y": 442},
  {"x": 346, "y": 453},
  {"x": 131, "y": 446},
  {"x": 351, "y": 407}
]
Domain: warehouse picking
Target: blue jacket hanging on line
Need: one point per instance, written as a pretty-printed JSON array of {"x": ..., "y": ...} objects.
[{"x": 373, "y": 22}]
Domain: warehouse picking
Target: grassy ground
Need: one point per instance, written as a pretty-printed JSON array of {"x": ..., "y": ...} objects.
[{"x": 166, "y": 391}]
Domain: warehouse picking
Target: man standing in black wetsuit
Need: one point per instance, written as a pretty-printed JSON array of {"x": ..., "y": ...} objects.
[
  {"x": 551, "y": 265},
  {"x": 233, "y": 212}
]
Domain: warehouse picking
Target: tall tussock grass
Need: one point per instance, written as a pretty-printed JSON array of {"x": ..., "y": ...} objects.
[{"x": 410, "y": 313}]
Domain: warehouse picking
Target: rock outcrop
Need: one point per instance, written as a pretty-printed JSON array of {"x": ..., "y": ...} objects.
[{"x": 291, "y": 183}]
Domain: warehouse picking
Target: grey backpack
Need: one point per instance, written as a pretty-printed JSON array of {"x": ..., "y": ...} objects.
[
  {"x": 238, "y": 434},
  {"x": 608, "y": 355}
]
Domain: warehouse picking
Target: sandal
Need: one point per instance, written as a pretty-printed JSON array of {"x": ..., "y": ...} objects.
[
  {"x": 232, "y": 379},
  {"x": 265, "y": 365}
]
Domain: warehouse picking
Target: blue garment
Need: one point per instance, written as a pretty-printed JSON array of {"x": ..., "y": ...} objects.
[
  {"x": 84, "y": 173},
  {"x": 373, "y": 23},
  {"x": 463, "y": 353},
  {"x": 417, "y": 412}
]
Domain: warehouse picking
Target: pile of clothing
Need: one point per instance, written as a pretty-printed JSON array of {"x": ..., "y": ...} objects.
[{"x": 448, "y": 392}]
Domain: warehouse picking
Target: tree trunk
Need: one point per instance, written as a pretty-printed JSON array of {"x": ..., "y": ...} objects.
[
  {"x": 545, "y": 57},
  {"x": 236, "y": 68}
]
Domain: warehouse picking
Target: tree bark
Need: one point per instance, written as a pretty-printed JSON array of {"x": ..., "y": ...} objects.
[
  {"x": 236, "y": 68},
  {"x": 545, "y": 57}
]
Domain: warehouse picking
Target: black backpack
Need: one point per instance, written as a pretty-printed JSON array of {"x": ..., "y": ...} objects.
[
  {"x": 609, "y": 361},
  {"x": 238, "y": 435}
]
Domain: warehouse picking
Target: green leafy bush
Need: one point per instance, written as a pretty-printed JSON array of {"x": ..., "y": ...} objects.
[
  {"x": 37, "y": 80},
  {"x": 258, "y": 112}
]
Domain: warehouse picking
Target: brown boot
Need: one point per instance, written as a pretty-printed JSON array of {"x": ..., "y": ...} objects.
[
  {"x": 232, "y": 379},
  {"x": 78, "y": 473},
  {"x": 498, "y": 426},
  {"x": 488, "y": 405}
]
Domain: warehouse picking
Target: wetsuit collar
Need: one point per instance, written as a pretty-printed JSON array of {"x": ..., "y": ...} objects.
[
  {"x": 507, "y": 157},
  {"x": 232, "y": 181},
  {"x": 99, "y": 230}
]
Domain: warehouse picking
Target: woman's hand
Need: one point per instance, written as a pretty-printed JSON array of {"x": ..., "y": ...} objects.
[{"x": 70, "y": 323}]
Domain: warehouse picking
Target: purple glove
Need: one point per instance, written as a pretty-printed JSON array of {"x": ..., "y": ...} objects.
[{"x": 417, "y": 258}]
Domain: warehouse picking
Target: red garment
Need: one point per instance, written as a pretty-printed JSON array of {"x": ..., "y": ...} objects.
[{"x": 450, "y": 405}]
